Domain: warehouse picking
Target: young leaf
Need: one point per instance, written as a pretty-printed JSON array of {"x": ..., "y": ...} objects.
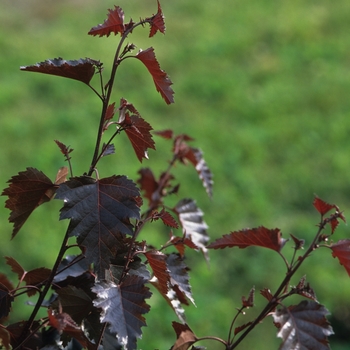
[
  {"x": 322, "y": 207},
  {"x": 266, "y": 293},
  {"x": 167, "y": 219},
  {"x": 113, "y": 24},
  {"x": 180, "y": 243},
  {"x": 193, "y": 225},
  {"x": 242, "y": 327},
  {"x": 157, "y": 22},
  {"x": 100, "y": 210},
  {"x": 26, "y": 192},
  {"x": 179, "y": 276},
  {"x": 122, "y": 308},
  {"x": 157, "y": 261},
  {"x": 341, "y": 250},
  {"x": 82, "y": 70},
  {"x": 160, "y": 78},
  {"x": 166, "y": 134},
  {"x": 138, "y": 132},
  {"x": 185, "y": 337},
  {"x": 261, "y": 237},
  {"x": 249, "y": 302},
  {"x": 303, "y": 326}
]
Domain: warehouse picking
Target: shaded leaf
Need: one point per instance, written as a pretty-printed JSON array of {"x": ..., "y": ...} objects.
[
  {"x": 160, "y": 78},
  {"x": 242, "y": 327},
  {"x": 27, "y": 190},
  {"x": 122, "y": 308},
  {"x": 113, "y": 24},
  {"x": 299, "y": 243},
  {"x": 185, "y": 337},
  {"x": 261, "y": 236},
  {"x": 157, "y": 22},
  {"x": 148, "y": 185},
  {"x": 100, "y": 210},
  {"x": 82, "y": 70},
  {"x": 322, "y": 207},
  {"x": 108, "y": 150},
  {"x": 64, "y": 323},
  {"x": 179, "y": 275},
  {"x": 75, "y": 302},
  {"x": 157, "y": 261},
  {"x": 5, "y": 338},
  {"x": 193, "y": 225},
  {"x": 303, "y": 326},
  {"x": 305, "y": 290},
  {"x": 5, "y": 297},
  {"x": 266, "y": 293},
  {"x": 69, "y": 267},
  {"x": 341, "y": 250},
  {"x": 138, "y": 132},
  {"x": 15, "y": 267}
]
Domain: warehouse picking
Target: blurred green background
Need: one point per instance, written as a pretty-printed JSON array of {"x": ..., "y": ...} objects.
[{"x": 263, "y": 86}]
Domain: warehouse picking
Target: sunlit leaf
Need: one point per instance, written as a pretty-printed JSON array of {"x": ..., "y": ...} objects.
[
  {"x": 113, "y": 24},
  {"x": 148, "y": 184},
  {"x": 27, "y": 190},
  {"x": 82, "y": 70},
  {"x": 261, "y": 236},
  {"x": 100, "y": 210},
  {"x": 341, "y": 250},
  {"x": 166, "y": 217},
  {"x": 322, "y": 207},
  {"x": 122, "y": 308},
  {"x": 193, "y": 225},
  {"x": 249, "y": 302},
  {"x": 160, "y": 78},
  {"x": 303, "y": 326},
  {"x": 185, "y": 337}
]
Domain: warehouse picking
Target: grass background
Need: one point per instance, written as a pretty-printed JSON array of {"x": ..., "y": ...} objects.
[{"x": 263, "y": 86}]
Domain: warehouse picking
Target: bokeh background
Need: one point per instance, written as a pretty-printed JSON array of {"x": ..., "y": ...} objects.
[{"x": 263, "y": 86}]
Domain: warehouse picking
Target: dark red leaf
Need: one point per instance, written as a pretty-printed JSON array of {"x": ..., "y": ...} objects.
[
  {"x": 113, "y": 24},
  {"x": 249, "y": 302},
  {"x": 122, "y": 307},
  {"x": 160, "y": 78},
  {"x": 82, "y": 69},
  {"x": 179, "y": 275},
  {"x": 241, "y": 328},
  {"x": 166, "y": 218},
  {"x": 157, "y": 261},
  {"x": 15, "y": 267},
  {"x": 261, "y": 236},
  {"x": 266, "y": 293},
  {"x": 99, "y": 211},
  {"x": 334, "y": 222},
  {"x": 305, "y": 290},
  {"x": 167, "y": 134},
  {"x": 185, "y": 337},
  {"x": 180, "y": 243},
  {"x": 26, "y": 192},
  {"x": 322, "y": 207},
  {"x": 36, "y": 276},
  {"x": 157, "y": 22},
  {"x": 193, "y": 225},
  {"x": 5, "y": 338},
  {"x": 148, "y": 185},
  {"x": 299, "y": 243},
  {"x": 303, "y": 326},
  {"x": 110, "y": 112},
  {"x": 5, "y": 297},
  {"x": 341, "y": 250},
  {"x": 138, "y": 131}
]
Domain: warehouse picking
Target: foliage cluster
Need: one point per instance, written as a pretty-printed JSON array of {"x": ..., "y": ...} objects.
[{"x": 100, "y": 294}]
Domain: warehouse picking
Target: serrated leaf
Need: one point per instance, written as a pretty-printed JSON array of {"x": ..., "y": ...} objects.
[
  {"x": 113, "y": 24},
  {"x": 341, "y": 250},
  {"x": 61, "y": 175},
  {"x": 179, "y": 275},
  {"x": 157, "y": 22},
  {"x": 166, "y": 217},
  {"x": 195, "y": 156},
  {"x": 82, "y": 70},
  {"x": 108, "y": 150},
  {"x": 261, "y": 237},
  {"x": 100, "y": 210},
  {"x": 249, "y": 302},
  {"x": 5, "y": 297},
  {"x": 27, "y": 190},
  {"x": 75, "y": 302},
  {"x": 180, "y": 243},
  {"x": 122, "y": 308},
  {"x": 185, "y": 336},
  {"x": 160, "y": 78},
  {"x": 193, "y": 225},
  {"x": 322, "y": 207},
  {"x": 138, "y": 132},
  {"x": 166, "y": 134},
  {"x": 157, "y": 261},
  {"x": 266, "y": 293},
  {"x": 303, "y": 326},
  {"x": 71, "y": 266}
]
